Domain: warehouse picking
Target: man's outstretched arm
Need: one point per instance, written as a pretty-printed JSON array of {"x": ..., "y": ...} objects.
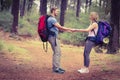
[{"x": 62, "y": 28}]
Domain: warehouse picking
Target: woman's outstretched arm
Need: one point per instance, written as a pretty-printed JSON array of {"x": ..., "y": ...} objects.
[{"x": 93, "y": 26}]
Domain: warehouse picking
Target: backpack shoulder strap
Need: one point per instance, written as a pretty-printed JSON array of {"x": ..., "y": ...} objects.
[
  {"x": 48, "y": 16},
  {"x": 45, "y": 48},
  {"x": 94, "y": 30}
]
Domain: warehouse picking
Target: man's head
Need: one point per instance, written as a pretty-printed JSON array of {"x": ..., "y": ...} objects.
[{"x": 54, "y": 11}]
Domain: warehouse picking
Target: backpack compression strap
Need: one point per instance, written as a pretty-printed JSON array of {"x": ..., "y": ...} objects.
[{"x": 45, "y": 48}]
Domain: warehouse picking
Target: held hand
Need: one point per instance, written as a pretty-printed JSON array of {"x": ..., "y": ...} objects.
[
  {"x": 71, "y": 30},
  {"x": 75, "y": 30}
]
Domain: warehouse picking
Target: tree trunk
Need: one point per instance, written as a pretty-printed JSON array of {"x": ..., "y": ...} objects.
[
  {"x": 74, "y": 2},
  {"x": 78, "y": 8},
  {"x": 57, "y": 3},
  {"x": 87, "y": 3},
  {"x": 54, "y": 3},
  {"x": 51, "y": 3},
  {"x": 96, "y": 2},
  {"x": 2, "y": 5},
  {"x": 15, "y": 12},
  {"x": 114, "y": 40},
  {"x": 104, "y": 2},
  {"x": 22, "y": 12},
  {"x": 30, "y": 3},
  {"x": 63, "y": 9},
  {"x": 43, "y": 7},
  {"x": 107, "y": 7},
  {"x": 100, "y": 3},
  {"x": 86, "y": 6},
  {"x": 90, "y": 2}
]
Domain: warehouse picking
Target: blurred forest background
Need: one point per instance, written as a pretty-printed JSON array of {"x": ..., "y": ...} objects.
[{"x": 20, "y": 17}]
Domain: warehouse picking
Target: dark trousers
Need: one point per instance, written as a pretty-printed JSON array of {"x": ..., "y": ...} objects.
[{"x": 88, "y": 47}]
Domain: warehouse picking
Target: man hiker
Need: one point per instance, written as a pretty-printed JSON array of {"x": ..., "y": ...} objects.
[{"x": 54, "y": 28}]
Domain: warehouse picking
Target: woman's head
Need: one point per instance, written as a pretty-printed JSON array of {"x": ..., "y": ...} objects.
[{"x": 94, "y": 16}]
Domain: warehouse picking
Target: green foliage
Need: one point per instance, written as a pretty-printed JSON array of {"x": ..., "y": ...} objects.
[
  {"x": 25, "y": 27},
  {"x": 72, "y": 22},
  {"x": 6, "y": 20},
  {"x": 98, "y": 9},
  {"x": 28, "y": 24}
]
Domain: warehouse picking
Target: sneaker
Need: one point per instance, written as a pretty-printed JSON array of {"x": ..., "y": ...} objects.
[{"x": 83, "y": 70}]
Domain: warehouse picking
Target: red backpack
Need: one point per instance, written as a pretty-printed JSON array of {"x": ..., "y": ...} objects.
[{"x": 43, "y": 29}]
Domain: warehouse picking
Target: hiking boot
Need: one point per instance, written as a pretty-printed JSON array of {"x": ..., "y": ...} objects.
[
  {"x": 59, "y": 71},
  {"x": 83, "y": 70}
]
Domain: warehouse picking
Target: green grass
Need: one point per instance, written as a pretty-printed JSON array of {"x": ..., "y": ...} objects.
[
  {"x": 105, "y": 61},
  {"x": 1, "y": 45},
  {"x": 10, "y": 48},
  {"x": 114, "y": 57},
  {"x": 34, "y": 42},
  {"x": 16, "y": 51}
]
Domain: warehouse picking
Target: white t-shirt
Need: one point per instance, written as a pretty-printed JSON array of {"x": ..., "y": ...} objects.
[{"x": 92, "y": 34}]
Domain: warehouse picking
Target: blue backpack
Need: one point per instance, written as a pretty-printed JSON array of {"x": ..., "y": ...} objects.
[{"x": 103, "y": 33}]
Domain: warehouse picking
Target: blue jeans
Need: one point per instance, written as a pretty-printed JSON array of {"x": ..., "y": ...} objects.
[
  {"x": 54, "y": 42},
  {"x": 88, "y": 47}
]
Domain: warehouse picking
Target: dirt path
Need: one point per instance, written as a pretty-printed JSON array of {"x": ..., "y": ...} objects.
[{"x": 36, "y": 65}]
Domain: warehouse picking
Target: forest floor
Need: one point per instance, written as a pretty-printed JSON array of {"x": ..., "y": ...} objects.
[{"x": 36, "y": 64}]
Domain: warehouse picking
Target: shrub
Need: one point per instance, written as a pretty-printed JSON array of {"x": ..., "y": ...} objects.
[{"x": 6, "y": 20}]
